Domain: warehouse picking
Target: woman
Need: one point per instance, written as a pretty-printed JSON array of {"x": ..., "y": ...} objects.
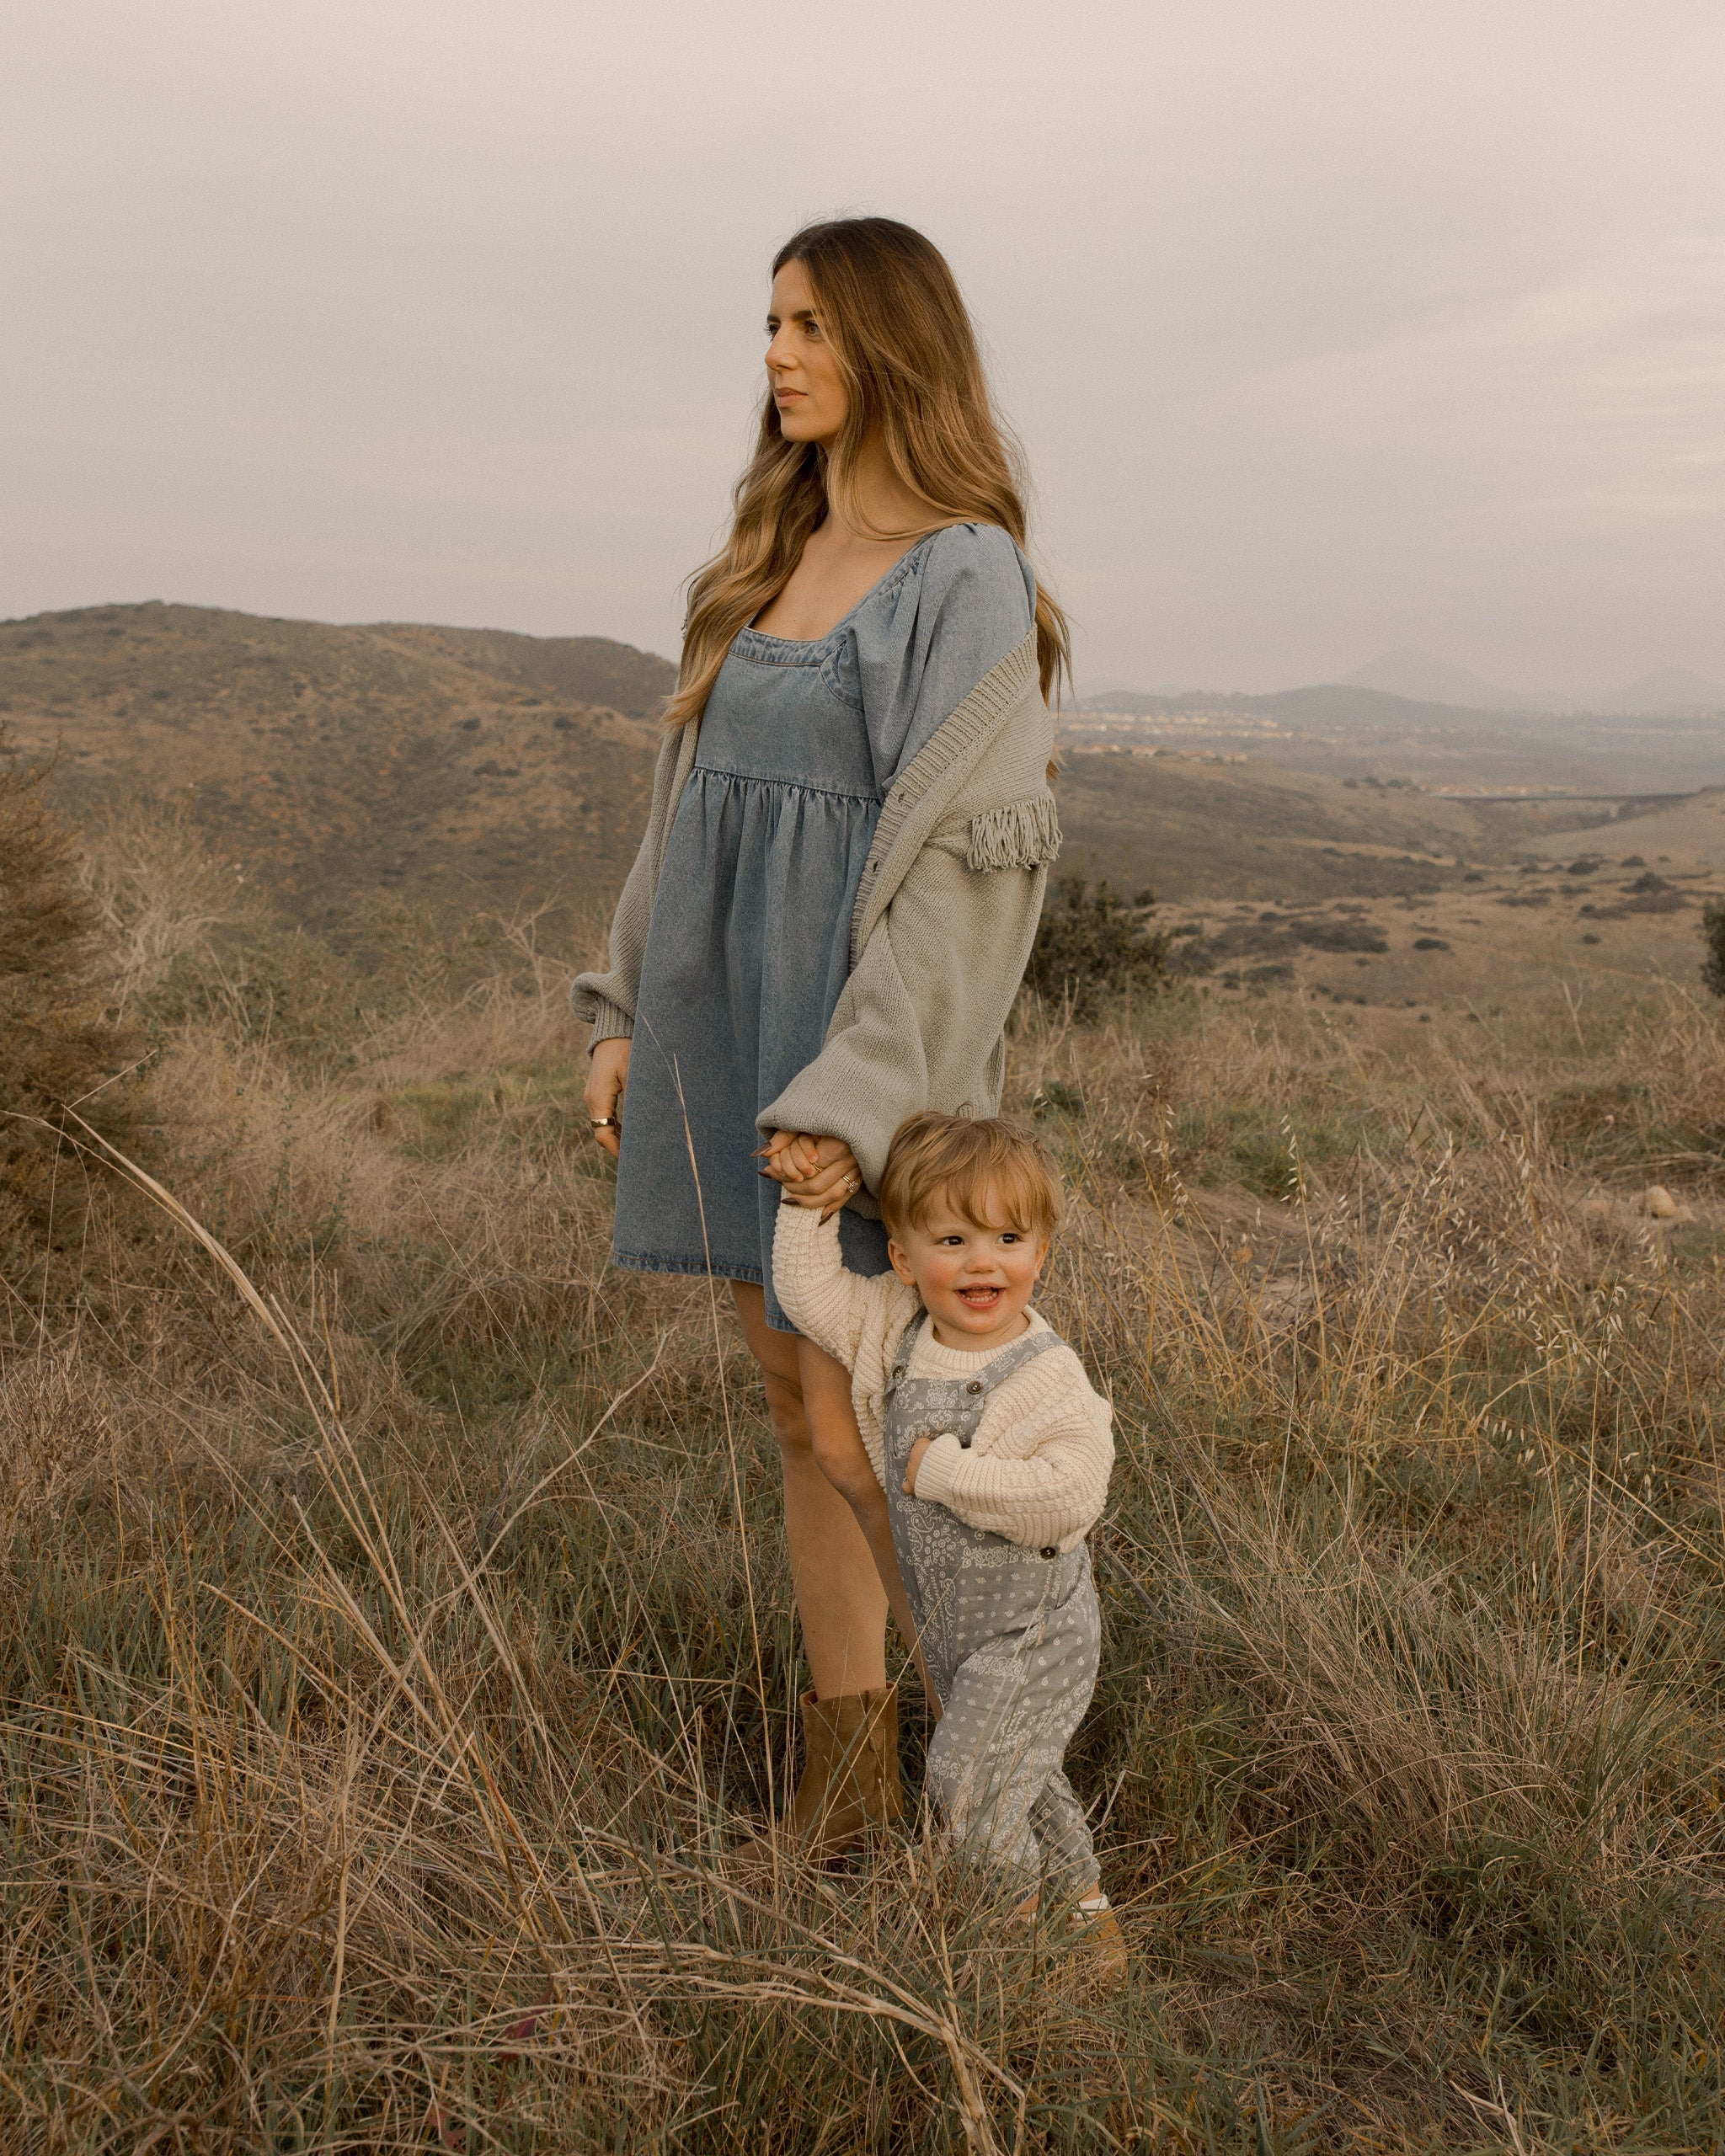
[{"x": 834, "y": 903}]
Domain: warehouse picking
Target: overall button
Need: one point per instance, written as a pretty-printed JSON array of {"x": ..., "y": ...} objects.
[
  {"x": 975, "y": 1385},
  {"x": 1047, "y": 1549}
]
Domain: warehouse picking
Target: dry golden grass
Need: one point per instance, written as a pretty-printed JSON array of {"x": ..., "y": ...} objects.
[{"x": 398, "y": 1646}]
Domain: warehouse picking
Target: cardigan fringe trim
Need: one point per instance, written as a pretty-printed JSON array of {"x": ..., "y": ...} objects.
[
  {"x": 1017, "y": 834},
  {"x": 913, "y": 804}
]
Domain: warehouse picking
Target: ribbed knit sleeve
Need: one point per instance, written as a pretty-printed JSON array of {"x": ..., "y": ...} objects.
[
  {"x": 827, "y": 1301},
  {"x": 1037, "y": 1470},
  {"x": 857, "y": 1321}
]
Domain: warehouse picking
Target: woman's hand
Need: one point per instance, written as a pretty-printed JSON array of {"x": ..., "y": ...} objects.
[
  {"x": 909, "y": 1485},
  {"x": 608, "y": 1078},
  {"x": 819, "y": 1172}
]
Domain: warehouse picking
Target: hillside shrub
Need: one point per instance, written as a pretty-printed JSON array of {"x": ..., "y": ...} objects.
[
  {"x": 188, "y": 945},
  {"x": 1337, "y": 935},
  {"x": 60, "y": 1054},
  {"x": 1092, "y": 943},
  {"x": 1274, "y": 938},
  {"x": 1713, "y": 930}
]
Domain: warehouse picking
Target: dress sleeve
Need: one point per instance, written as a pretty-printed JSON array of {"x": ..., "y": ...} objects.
[
  {"x": 607, "y": 997},
  {"x": 970, "y": 600}
]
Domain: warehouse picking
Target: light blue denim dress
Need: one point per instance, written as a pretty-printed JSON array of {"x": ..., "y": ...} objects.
[{"x": 748, "y": 946}]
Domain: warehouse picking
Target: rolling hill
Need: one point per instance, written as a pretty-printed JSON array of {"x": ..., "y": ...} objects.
[
  {"x": 463, "y": 765},
  {"x": 476, "y": 769}
]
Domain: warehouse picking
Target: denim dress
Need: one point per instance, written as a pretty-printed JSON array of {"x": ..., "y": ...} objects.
[{"x": 749, "y": 946}]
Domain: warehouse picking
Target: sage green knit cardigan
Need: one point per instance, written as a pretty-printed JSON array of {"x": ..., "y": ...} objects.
[{"x": 941, "y": 932}]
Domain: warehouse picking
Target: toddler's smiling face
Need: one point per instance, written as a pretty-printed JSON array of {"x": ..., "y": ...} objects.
[{"x": 974, "y": 1276}]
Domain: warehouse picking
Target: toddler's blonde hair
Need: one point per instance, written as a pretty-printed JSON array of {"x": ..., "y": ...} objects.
[{"x": 991, "y": 1173}]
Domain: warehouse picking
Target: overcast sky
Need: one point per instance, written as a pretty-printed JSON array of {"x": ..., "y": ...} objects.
[{"x": 1328, "y": 326}]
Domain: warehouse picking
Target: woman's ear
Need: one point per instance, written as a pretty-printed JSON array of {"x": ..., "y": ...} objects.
[{"x": 900, "y": 1262}]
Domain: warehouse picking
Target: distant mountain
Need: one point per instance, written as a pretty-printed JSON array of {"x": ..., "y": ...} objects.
[
  {"x": 1416, "y": 687},
  {"x": 1341, "y": 728},
  {"x": 1428, "y": 679},
  {"x": 1667, "y": 689},
  {"x": 1334, "y": 703},
  {"x": 1103, "y": 698},
  {"x": 1425, "y": 678},
  {"x": 1149, "y": 703},
  {"x": 1351, "y": 703}
]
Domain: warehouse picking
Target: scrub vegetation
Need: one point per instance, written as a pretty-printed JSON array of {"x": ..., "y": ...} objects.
[
  {"x": 395, "y": 1642},
  {"x": 1713, "y": 929}
]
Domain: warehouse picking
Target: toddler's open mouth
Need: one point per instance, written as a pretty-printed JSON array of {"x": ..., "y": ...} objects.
[{"x": 979, "y": 1299}]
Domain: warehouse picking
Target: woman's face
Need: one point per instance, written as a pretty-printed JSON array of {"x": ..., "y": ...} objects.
[{"x": 807, "y": 385}]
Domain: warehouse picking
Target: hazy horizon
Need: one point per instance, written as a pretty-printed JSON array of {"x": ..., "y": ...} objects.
[{"x": 1328, "y": 333}]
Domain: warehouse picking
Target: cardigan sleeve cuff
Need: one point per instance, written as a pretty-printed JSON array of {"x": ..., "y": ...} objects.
[
  {"x": 611, "y": 1021},
  {"x": 940, "y": 1465}
]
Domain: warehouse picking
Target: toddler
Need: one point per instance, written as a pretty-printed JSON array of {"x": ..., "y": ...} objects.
[{"x": 994, "y": 1453}]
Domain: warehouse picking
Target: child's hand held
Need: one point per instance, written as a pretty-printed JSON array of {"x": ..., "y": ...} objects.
[{"x": 819, "y": 1172}]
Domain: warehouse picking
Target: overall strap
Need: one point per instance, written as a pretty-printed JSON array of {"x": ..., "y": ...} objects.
[
  {"x": 1010, "y": 1360},
  {"x": 907, "y": 1338}
]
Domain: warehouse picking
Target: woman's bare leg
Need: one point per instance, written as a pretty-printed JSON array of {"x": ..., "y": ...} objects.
[
  {"x": 843, "y": 1459},
  {"x": 840, "y": 1602}
]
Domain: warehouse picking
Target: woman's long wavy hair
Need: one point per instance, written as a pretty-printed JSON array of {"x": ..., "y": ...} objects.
[{"x": 891, "y": 311}]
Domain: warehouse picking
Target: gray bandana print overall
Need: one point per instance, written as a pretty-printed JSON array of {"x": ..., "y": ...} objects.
[{"x": 1012, "y": 1637}]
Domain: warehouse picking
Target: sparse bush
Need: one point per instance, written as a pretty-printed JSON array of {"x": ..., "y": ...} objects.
[
  {"x": 161, "y": 899},
  {"x": 1091, "y": 944},
  {"x": 1337, "y": 935},
  {"x": 59, "y": 1056},
  {"x": 1713, "y": 934},
  {"x": 190, "y": 946}
]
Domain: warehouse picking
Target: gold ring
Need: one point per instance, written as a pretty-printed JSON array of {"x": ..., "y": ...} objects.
[{"x": 604, "y": 1123}]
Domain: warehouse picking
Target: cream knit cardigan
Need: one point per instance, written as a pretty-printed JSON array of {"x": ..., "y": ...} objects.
[
  {"x": 1037, "y": 1468},
  {"x": 940, "y": 935}
]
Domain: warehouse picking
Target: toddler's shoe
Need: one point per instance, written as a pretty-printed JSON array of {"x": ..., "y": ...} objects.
[
  {"x": 1095, "y": 1955},
  {"x": 1097, "y": 1960}
]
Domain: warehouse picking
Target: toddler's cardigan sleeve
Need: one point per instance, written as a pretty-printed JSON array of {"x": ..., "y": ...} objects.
[{"x": 857, "y": 1319}]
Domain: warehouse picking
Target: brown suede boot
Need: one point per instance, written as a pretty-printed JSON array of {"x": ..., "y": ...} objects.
[{"x": 850, "y": 1780}]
